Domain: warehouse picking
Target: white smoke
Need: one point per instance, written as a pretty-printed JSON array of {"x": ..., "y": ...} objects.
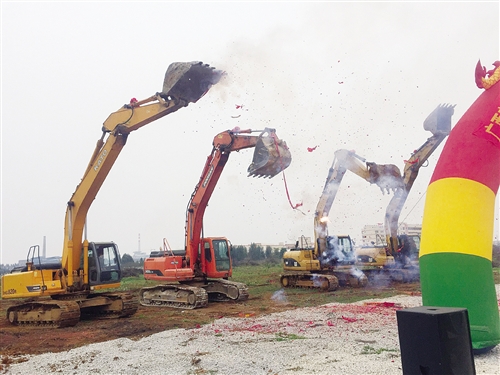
[{"x": 279, "y": 296}]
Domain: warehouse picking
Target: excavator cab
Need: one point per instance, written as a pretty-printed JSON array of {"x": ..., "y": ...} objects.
[
  {"x": 189, "y": 81},
  {"x": 270, "y": 157},
  {"x": 104, "y": 263}
]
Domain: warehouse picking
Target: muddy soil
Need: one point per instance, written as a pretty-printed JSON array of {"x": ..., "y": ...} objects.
[{"x": 15, "y": 341}]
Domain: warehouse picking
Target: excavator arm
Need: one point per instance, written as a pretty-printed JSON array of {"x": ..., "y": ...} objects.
[
  {"x": 385, "y": 176},
  {"x": 439, "y": 124},
  {"x": 184, "y": 83},
  {"x": 271, "y": 156}
]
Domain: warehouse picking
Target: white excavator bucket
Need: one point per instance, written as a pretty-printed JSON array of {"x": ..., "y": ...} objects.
[
  {"x": 439, "y": 120},
  {"x": 189, "y": 80}
]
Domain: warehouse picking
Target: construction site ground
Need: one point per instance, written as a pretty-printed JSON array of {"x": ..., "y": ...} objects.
[{"x": 15, "y": 340}]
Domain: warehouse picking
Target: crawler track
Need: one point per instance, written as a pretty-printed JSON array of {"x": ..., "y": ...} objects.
[
  {"x": 56, "y": 314},
  {"x": 309, "y": 280},
  {"x": 173, "y": 295},
  {"x": 224, "y": 290},
  {"x": 118, "y": 305}
]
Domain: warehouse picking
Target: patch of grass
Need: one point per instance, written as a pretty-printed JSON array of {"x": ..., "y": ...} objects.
[
  {"x": 367, "y": 349},
  {"x": 135, "y": 282},
  {"x": 298, "y": 368},
  {"x": 263, "y": 282},
  {"x": 288, "y": 336}
]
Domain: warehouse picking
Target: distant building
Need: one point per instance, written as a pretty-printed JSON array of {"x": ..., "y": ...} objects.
[
  {"x": 138, "y": 255},
  {"x": 375, "y": 234},
  {"x": 304, "y": 242}
]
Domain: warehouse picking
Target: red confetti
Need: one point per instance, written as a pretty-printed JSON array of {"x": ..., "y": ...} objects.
[{"x": 349, "y": 320}]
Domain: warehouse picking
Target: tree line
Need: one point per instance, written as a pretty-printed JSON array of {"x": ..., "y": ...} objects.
[{"x": 241, "y": 255}]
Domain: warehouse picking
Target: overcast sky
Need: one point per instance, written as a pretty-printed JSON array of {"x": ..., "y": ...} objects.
[{"x": 356, "y": 75}]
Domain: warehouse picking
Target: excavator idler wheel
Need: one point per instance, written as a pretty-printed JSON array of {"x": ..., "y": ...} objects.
[
  {"x": 285, "y": 283},
  {"x": 333, "y": 284},
  {"x": 358, "y": 281},
  {"x": 12, "y": 317},
  {"x": 191, "y": 299},
  {"x": 322, "y": 284}
]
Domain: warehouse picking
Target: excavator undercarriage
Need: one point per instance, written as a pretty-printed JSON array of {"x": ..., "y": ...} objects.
[
  {"x": 66, "y": 310},
  {"x": 342, "y": 276},
  {"x": 193, "y": 295}
]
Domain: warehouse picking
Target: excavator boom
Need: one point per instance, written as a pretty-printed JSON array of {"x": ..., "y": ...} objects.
[
  {"x": 398, "y": 259},
  {"x": 386, "y": 176},
  {"x": 196, "y": 78},
  {"x": 439, "y": 124},
  {"x": 271, "y": 156}
]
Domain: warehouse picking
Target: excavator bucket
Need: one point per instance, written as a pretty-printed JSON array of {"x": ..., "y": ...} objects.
[
  {"x": 270, "y": 157},
  {"x": 189, "y": 81},
  {"x": 386, "y": 176},
  {"x": 439, "y": 120}
]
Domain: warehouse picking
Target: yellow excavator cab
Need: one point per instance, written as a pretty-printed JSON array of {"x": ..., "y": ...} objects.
[
  {"x": 270, "y": 157},
  {"x": 189, "y": 81}
]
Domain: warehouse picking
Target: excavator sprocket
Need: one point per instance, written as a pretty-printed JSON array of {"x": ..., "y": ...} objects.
[
  {"x": 351, "y": 277},
  {"x": 54, "y": 314},
  {"x": 325, "y": 282},
  {"x": 174, "y": 295},
  {"x": 224, "y": 290},
  {"x": 189, "y": 80},
  {"x": 119, "y": 305}
]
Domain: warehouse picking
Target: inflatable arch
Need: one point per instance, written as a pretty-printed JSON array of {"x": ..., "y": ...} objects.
[{"x": 458, "y": 223}]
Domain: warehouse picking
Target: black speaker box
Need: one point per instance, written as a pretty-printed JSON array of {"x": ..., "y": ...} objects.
[{"x": 435, "y": 341}]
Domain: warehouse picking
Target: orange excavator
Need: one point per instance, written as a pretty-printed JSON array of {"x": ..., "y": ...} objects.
[
  {"x": 199, "y": 273},
  {"x": 58, "y": 293}
]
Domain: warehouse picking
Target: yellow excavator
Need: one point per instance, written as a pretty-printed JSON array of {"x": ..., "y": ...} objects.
[
  {"x": 58, "y": 294},
  {"x": 330, "y": 261},
  {"x": 398, "y": 258}
]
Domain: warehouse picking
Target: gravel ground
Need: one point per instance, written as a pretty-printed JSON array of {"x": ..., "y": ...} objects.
[{"x": 359, "y": 338}]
